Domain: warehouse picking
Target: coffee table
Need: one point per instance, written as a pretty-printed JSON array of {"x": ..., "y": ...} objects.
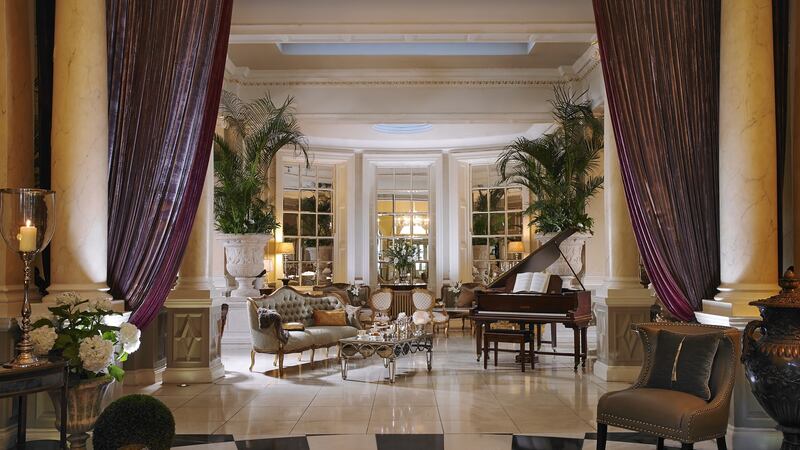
[{"x": 388, "y": 348}]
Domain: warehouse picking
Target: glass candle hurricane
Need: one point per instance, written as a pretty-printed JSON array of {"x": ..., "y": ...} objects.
[{"x": 27, "y": 222}]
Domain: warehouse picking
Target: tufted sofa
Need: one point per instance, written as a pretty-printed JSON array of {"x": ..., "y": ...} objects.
[{"x": 294, "y": 306}]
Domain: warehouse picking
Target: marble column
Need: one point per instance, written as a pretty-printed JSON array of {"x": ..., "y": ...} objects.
[
  {"x": 193, "y": 313},
  {"x": 80, "y": 148},
  {"x": 621, "y": 301},
  {"x": 747, "y": 159},
  {"x": 748, "y": 194},
  {"x": 16, "y": 131}
]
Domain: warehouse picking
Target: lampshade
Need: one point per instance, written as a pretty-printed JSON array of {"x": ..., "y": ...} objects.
[
  {"x": 516, "y": 247},
  {"x": 284, "y": 248}
]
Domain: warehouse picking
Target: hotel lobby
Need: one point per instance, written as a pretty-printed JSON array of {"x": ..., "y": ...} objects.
[{"x": 254, "y": 224}]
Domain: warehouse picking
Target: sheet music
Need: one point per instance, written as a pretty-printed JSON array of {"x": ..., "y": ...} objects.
[{"x": 531, "y": 282}]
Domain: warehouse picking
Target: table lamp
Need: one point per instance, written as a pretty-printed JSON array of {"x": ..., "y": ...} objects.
[
  {"x": 516, "y": 247},
  {"x": 284, "y": 248},
  {"x": 27, "y": 223}
]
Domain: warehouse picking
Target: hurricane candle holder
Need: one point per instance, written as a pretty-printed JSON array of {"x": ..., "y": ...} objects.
[{"x": 27, "y": 222}]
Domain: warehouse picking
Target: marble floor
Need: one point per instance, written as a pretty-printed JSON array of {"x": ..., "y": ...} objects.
[{"x": 458, "y": 405}]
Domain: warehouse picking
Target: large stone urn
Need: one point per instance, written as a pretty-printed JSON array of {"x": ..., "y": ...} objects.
[
  {"x": 771, "y": 356},
  {"x": 84, "y": 401},
  {"x": 244, "y": 260},
  {"x": 573, "y": 250}
]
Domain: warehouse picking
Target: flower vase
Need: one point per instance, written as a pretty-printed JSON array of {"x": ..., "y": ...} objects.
[
  {"x": 84, "y": 401},
  {"x": 405, "y": 276}
]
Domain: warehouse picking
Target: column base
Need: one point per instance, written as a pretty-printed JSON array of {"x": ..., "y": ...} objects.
[
  {"x": 237, "y": 328},
  {"x": 144, "y": 377},
  {"x": 194, "y": 375},
  {"x": 619, "y": 349},
  {"x": 627, "y": 374},
  {"x": 754, "y": 438},
  {"x": 90, "y": 290},
  {"x": 733, "y": 298}
]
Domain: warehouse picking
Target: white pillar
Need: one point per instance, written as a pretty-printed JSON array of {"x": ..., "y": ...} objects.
[
  {"x": 747, "y": 159},
  {"x": 621, "y": 301},
  {"x": 193, "y": 313},
  {"x": 80, "y": 148}
]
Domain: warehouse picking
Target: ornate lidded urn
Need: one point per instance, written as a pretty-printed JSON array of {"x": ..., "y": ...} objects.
[{"x": 771, "y": 356}]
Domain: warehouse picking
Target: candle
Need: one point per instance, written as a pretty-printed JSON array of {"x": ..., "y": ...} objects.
[{"x": 27, "y": 237}]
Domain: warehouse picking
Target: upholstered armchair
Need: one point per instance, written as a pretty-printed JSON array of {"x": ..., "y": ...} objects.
[
  {"x": 425, "y": 300},
  {"x": 459, "y": 306},
  {"x": 673, "y": 414},
  {"x": 380, "y": 302}
]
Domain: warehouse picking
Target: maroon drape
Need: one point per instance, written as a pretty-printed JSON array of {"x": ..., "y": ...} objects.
[
  {"x": 660, "y": 62},
  {"x": 166, "y": 65},
  {"x": 780, "y": 53}
]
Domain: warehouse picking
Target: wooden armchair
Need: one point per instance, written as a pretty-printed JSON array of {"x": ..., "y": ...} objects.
[{"x": 668, "y": 413}]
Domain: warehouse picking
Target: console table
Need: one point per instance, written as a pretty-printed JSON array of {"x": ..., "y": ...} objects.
[{"x": 21, "y": 382}]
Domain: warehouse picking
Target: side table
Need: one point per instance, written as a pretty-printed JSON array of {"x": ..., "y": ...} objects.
[{"x": 21, "y": 382}]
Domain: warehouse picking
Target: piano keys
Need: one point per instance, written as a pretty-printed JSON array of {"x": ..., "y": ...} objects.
[{"x": 572, "y": 308}]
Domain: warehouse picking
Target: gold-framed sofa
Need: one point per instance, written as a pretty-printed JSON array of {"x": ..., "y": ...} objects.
[{"x": 289, "y": 306}]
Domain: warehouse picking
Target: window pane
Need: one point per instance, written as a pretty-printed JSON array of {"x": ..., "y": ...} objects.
[
  {"x": 309, "y": 249},
  {"x": 497, "y": 248},
  {"x": 324, "y": 201},
  {"x": 402, "y": 204},
  {"x": 515, "y": 223},
  {"x": 497, "y": 223},
  {"x": 497, "y": 199},
  {"x": 420, "y": 225},
  {"x": 290, "y": 269},
  {"x": 291, "y": 176},
  {"x": 402, "y": 179},
  {"x": 422, "y": 245},
  {"x": 385, "y": 225},
  {"x": 493, "y": 176},
  {"x": 308, "y": 224},
  {"x": 385, "y": 203},
  {"x": 384, "y": 180},
  {"x": 308, "y": 177},
  {"x": 420, "y": 206},
  {"x": 420, "y": 180},
  {"x": 289, "y": 224},
  {"x": 402, "y": 225},
  {"x": 514, "y": 199},
  {"x": 308, "y": 276},
  {"x": 325, "y": 250},
  {"x": 479, "y": 176},
  {"x": 480, "y": 224},
  {"x": 480, "y": 200},
  {"x": 291, "y": 200},
  {"x": 325, "y": 273},
  {"x": 324, "y": 225},
  {"x": 325, "y": 177},
  {"x": 308, "y": 201},
  {"x": 293, "y": 256}
]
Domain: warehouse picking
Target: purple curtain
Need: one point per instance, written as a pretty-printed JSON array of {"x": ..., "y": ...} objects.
[
  {"x": 660, "y": 62},
  {"x": 166, "y": 65}
]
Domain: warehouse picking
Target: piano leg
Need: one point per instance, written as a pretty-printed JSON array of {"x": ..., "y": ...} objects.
[
  {"x": 585, "y": 345},
  {"x": 576, "y": 333},
  {"x": 478, "y": 339},
  {"x": 538, "y": 336}
]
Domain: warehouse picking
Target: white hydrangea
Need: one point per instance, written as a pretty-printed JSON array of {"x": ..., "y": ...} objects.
[
  {"x": 129, "y": 337},
  {"x": 98, "y": 304},
  {"x": 96, "y": 353},
  {"x": 68, "y": 298},
  {"x": 43, "y": 339}
]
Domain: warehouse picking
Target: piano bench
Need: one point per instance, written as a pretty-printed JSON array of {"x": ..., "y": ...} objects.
[{"x": 520, "y": 337}]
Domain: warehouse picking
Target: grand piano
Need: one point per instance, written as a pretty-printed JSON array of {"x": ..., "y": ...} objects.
[{"x": 572, "y": 308}]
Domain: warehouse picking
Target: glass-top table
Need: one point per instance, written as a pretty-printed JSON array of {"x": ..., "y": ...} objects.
[{"x": 388, "y": 347}]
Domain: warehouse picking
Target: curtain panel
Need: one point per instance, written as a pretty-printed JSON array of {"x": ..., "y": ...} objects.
[
  {"x": 166, "y": 66},
  {"x": 660, "y": 61}
]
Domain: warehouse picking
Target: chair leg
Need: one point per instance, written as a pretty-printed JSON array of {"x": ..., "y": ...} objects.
[
  {"x": 280, "y": 365},
  {"x": 275, "y": 361},
  {"x": 721, "y": 444},
  {"x": 553, "y": 336},
  {"x": 485, "y": 352},
  {"x": 495, "y": 353},
  {"x": 660, "y": 444},
  {"x": 602, "y": 435},
  {"x": 312, "y": 357},
  {"x": 533, "y": 355},
  {"x": 522, "y": 355},
  {"x": 687, "y": 446},
  {"x": 252, "y": 359}
]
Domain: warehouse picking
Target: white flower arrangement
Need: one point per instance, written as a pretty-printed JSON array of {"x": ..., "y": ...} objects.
[
  {"x": 421, "y": 317},
  {"x": 354, "y": 290},
  {"x": 82, "y": 332},
  {"x": 403, "y": 254},
  {"x": 455, "y": 289}
]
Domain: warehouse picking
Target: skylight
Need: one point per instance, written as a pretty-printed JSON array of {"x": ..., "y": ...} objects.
[
  {"x": 407, "y": 49},
  {"x": 402, "y": 128}
]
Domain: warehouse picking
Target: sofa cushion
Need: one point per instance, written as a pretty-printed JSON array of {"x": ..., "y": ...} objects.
[
  {"x": 660, "y": 407},
  {"x": 335, "y": 317},
  {"x": 298, "y": 340},
  {"x": 328, "y": 336}
]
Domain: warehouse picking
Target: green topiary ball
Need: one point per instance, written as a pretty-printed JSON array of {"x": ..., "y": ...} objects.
[{"x": 134, "y": 420}]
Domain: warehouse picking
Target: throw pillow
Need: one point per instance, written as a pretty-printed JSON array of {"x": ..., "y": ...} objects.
[
  {"x": 294, "y": 326},
  {"x": 684, "y": 362},
  {"x": 352, "y": 313},
  {"x": 335, "y": 317},
  {"x": 465, "y": 298}
]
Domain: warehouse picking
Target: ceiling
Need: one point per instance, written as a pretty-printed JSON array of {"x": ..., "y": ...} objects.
[{"x": 372, "y": 87}]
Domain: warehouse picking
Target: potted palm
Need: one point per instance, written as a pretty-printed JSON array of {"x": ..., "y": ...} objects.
[
  {"x": 255, "y": 132},
  {"x": 558, "y": 168}
]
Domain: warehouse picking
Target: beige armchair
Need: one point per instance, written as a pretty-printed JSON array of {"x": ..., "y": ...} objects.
[{"x": 673, "y": 414}]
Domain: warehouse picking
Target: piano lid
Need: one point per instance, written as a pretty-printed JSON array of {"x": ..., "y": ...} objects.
[{"x": 539, "y": 260}]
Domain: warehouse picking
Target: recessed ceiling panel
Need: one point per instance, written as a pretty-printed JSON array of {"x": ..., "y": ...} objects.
[{"x": 407, "y": 49}]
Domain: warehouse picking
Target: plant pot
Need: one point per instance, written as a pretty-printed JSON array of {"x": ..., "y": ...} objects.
[
  {"x": 244, "y": 256},
  {"x": 84, "y": 401},
  {"x": 771, "y": 356},
  {"x": 573, "y": 250}
]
